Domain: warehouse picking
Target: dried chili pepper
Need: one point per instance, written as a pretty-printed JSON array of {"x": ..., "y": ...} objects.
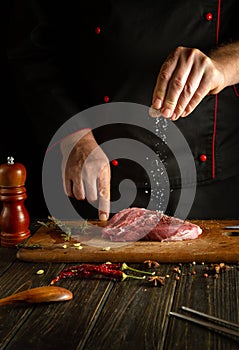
[
  {"x": 124, "y": 266},
  {"x": 113, "y": 271}
]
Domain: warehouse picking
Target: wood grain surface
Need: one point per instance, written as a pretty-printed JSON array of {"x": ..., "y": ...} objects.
[
  {"x": 106, "y": 314},
  {"x": 215, "y": 244}
]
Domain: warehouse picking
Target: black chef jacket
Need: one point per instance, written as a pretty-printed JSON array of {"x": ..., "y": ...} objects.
[{"x": 83, "y": 54}]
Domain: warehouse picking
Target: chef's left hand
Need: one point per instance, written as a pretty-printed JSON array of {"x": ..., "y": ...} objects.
[
  {"x": 185, "y": 78},
  {"x": 86, "y": 170}
]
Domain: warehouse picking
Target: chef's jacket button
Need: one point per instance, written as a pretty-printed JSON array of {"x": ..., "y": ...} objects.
[
  {"x": 106, "y": 99},
  {"x": 209, "y": 16},
  {"x": 115, "y": 162},
  {"x": 97, "y": 30},
  {"x": 203, "y": 157}
]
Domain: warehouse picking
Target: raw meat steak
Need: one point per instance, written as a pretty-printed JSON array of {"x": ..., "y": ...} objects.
[{"x": 135, "y": 224}]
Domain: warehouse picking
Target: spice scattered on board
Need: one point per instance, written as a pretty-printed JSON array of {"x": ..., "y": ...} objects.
[
  {"x": 106, "y": 249},
  {"x": 115, "y": 271},
  {"x": 216, "y": 269},
  {"x": 157, "y": 280},
  {"x": 211, "y": 270},
  {"x": 151, "y": 263}
]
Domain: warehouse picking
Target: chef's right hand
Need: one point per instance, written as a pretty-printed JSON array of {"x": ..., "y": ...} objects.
[
  {"x": 185, "y": 78},
  {"x": 86, "y": 171}
]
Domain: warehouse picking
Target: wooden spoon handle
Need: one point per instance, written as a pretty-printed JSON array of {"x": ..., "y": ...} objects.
[{"x": 39, "y": 295}]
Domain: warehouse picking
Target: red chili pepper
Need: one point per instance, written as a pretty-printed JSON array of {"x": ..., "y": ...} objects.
[
  {"x": 90, "y": 271},
  {"x": 80, "y": 268},
  {"x": 124, "y": 266},
  {"x": 113, "y": 271},
  {"x": 112, "y": 266}
]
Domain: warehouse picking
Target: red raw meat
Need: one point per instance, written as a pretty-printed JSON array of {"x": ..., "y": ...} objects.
[{"x": 135, "y": 224}]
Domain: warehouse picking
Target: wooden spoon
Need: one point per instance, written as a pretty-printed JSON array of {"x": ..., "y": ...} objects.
[{"x": 39, "y": 295}]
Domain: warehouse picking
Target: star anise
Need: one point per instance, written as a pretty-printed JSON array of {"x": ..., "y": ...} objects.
[{"x": 157, "y": 280}]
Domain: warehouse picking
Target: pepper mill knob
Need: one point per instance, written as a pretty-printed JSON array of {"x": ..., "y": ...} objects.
[{"x": 14, "y": 217}]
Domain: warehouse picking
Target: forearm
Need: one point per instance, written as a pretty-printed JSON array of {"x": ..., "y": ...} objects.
[{"x": 226, "y": 58}]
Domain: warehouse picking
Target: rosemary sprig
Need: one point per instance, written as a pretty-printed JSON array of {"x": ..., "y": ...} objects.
[
  {"x": 83, "y": 227},
  {"x": 52, "y": 223},
  {"x": 57, "y": 224},
  {"x": 28, "y": 246}
]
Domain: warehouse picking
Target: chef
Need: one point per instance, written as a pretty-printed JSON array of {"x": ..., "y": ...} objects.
[{"x": 180, "y": 57}]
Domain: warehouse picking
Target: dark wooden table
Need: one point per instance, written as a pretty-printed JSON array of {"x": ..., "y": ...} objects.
[{"x": 106, "y": 314}]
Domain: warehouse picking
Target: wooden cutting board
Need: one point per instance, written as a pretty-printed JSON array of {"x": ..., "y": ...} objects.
[{"x": 215, "y": 244}]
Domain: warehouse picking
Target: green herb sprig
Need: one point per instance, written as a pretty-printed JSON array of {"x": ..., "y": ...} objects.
[{"x": 54, "y": 223}]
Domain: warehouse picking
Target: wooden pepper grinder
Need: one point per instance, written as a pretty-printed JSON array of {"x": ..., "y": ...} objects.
[{"x": 14, "y": 219}]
